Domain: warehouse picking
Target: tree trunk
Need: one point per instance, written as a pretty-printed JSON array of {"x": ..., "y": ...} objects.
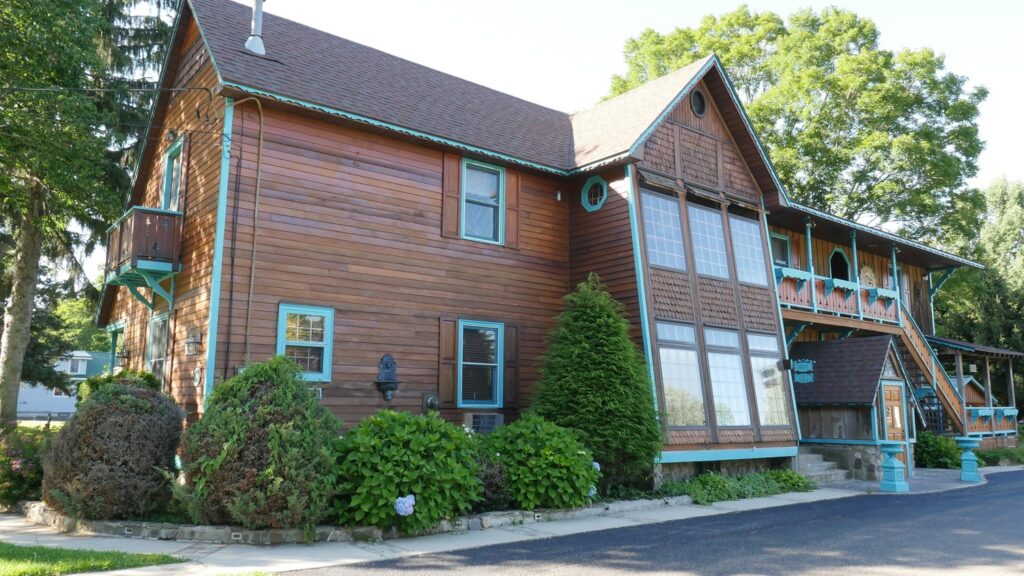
[{"x": 18, "y": 314}]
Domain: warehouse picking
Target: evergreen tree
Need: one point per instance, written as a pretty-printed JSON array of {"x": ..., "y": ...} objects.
[{"x": 594, "y": 380}]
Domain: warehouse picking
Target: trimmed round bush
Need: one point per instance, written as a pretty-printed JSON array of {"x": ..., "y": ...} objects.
[
  {"x": 594, "y": 380},
  {"x": 106, "y": 462},
  {"x": 263, "y": 453},
  {"x": 545, "y": 465},
  {"x": 393, "y": 455},
  {"x": 136, "y": 378}
]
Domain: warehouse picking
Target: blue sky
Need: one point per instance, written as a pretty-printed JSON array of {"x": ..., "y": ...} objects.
[{"x": 562, "y": 53}]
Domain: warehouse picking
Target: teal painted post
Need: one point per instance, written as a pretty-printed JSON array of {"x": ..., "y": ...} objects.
[
  {"x": 218, "y": 249},
  {"x": 810, "y": 264},
  {"x": 893, "y": 479},
  {"x": 896, "y": 285},
  {"x": 968, "y": 461},
  {"x": 874, "y": 423},
  {"x": 856, "y": 272},
  {"x": 638, "y": 265}
]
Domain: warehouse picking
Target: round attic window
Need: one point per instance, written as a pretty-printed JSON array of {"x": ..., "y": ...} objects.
[{"x": 697, "y": 103}]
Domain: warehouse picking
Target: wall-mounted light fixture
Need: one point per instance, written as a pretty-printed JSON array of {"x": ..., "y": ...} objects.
[
  {"x": 558, "y": 196},
  {"x": 387, "y": 376},
  {"x": 193, "y": 342}
]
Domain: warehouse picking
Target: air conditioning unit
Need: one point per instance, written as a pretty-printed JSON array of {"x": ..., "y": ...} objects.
[{"x": 483, "y": 423}]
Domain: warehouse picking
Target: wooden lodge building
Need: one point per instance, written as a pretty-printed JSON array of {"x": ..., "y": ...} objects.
[{"x": 333, "y": 203}]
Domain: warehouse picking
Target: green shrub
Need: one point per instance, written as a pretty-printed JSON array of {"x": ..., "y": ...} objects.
[
  {"x": 263, "y": 453},
  {"x": 392, "y": 455},
  {"x": 594, "y": 380},
  {"x": 491, "y": 472},
  {"x": 21, "y": 466},
  {"x": 999, "y": 456},
  {"x": 712, "y": 487},
  {"x": 545, "y": 465},
  {"x": 106, "y": 461},
  {"x": 935, "y": 451},
  {"x": 135, "y": 378}
]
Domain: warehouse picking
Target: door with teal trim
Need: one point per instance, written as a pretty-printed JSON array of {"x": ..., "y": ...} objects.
[{"x": 895, "y": 415}]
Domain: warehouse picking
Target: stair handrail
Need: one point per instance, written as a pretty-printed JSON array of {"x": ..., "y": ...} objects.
[{"x": 934, "y": 358}]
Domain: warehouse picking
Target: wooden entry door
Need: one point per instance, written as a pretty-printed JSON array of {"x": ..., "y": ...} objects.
[{"x": 895, "y": 423}]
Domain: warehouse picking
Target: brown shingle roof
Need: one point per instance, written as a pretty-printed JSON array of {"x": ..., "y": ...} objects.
[
  {"x": 845, "y": 371},
  {"x": 314, "y": 67}
]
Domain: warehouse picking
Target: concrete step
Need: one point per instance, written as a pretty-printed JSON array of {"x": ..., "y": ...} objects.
[{"x": 820, "y": 478}]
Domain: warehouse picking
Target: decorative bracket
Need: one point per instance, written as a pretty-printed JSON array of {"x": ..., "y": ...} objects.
[{"x": 797, "y": 329}]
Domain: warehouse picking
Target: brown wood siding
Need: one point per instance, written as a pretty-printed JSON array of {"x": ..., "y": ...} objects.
[
  {"x": 601, "y": 242},
  {"x": 198, "y": 201},
  {"x": 700, "y": 150},
  {"x": 353, "y": 221}
]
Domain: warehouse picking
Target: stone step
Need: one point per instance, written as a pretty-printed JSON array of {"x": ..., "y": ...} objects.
[
  {"x": 817, "y": 468},
  {"x": 826, "y": 477},
  {"x": 810, "y": 457}
]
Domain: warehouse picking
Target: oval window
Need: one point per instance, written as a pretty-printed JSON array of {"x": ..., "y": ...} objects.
[{"x": 697, "y": 103}]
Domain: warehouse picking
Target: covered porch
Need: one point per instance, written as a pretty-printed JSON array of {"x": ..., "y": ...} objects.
[{"x": 984, "y": 376}]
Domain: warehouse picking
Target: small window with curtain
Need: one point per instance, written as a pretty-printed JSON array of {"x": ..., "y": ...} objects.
[
  {"x": 481, "y": 364},
  {"x": 156, "y": 346},
  {"x": 305, "y": 335},
  {"x": 171, "y": 189},
  {"x": 483, "y": 202},
  {"x": 748, "y": 250},
  {"x": 708, "y": 241},
  {"x": 663, "y": 232},
  {"x": 781, "y": 250}
]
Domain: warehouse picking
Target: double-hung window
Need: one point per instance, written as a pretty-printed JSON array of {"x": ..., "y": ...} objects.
[
  {"x": 748, "y": 250},
  {"x": 483, "y": 202},
  {"x": 662, "y": 231},
  {"x": 729, "y": 386},
  {"x": 769, "y": 385},
  {"x": 156, "y": 346},
  {"x": 708, "y": 241},
  {"x": 170, "y": 191},
  {"x": 680, "y": 375},
  {"x": 305, "y": 335},
  {"x": 481, "y": 364},
  {"x": 781, "y": 250}
]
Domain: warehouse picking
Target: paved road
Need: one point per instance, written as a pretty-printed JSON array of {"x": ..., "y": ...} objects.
[{"x": 971, "y": 532}]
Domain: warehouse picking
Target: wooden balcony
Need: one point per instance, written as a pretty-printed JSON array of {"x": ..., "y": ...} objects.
[
  {"x": 143, "y": 249},
  {"x": 992, "y": 421},
  {"x": 820, "y": 294}
]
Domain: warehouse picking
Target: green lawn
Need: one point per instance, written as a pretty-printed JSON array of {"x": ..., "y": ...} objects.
[{"x": 43, "y": 561}]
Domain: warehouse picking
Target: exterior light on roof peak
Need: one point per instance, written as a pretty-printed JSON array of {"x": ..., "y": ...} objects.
[{"x": 255, "y": 42}]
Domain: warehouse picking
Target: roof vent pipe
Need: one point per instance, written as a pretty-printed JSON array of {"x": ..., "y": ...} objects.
[{"x": 255, "y": 42}]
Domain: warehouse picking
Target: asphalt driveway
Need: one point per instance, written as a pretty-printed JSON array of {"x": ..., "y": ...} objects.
[{"x": 971, "y": 532}]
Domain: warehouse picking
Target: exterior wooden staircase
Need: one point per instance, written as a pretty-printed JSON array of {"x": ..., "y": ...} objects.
[{"x": 924, "y": 370}]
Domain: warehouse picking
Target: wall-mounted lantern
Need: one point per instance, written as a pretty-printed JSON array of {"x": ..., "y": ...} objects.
[
  {"x": 193, "y": 342},
  {"x": 387, "y": 376}
]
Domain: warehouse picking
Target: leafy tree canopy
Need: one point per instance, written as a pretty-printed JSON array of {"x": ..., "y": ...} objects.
[
  {"x": 79, "y": 327},
  {"x": 864, "y": 133}
]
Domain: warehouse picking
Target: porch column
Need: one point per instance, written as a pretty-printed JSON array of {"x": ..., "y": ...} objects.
[
  {"x": 810, "y": 263},
  {"x": 1011, "y": 392},
  {"x": 896, "y": 277},
  {"x": 988, "y": 396},
  {"x": 960, "y": 385},
  {"x": 856, "y": 272}
]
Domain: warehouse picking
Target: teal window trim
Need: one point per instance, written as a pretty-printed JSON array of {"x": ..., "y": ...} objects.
[
  {"x": 789, "y": 249},
  {"x": 327, "y": 345},
  {"x": 172, "y": 176},
  {"x": 849, "y": 268},
  {"x": 467, "y": 163},
  {"x": 585, "y": 193},
  {"x": 499, "y": 391}
]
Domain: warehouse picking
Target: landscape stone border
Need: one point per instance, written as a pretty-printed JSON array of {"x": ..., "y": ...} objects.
[{"x": 40, "y": 513}]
